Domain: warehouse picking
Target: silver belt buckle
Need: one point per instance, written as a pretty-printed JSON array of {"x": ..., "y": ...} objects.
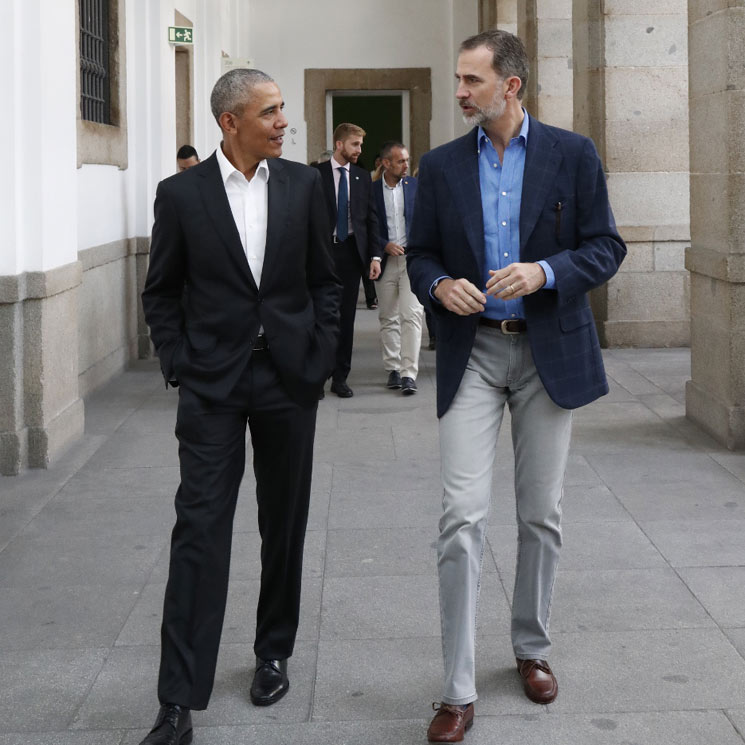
[{"x": 503, "y": 327}]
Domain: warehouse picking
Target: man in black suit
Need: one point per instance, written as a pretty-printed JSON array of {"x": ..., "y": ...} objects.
[
  {"x": 356, "y": 250},
  {"x": 242, "y": 304}
]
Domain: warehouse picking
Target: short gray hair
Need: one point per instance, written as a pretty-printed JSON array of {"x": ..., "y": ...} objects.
[
  {"x": 509, "y": 57},
  {"x": 233, "y": 90}
]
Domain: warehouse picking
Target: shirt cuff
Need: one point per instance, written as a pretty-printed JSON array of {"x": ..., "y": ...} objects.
[
  {"x": 550, "y": 276},
  {"x": 434, "y": 284},
  {"x": 375, "y": 258}
]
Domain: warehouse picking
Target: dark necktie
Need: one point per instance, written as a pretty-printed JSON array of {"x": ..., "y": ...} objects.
[{"x": 342, "y": 207}]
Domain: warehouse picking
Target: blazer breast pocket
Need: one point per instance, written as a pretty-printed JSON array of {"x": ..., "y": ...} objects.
[{"x": 558, "y": 217}]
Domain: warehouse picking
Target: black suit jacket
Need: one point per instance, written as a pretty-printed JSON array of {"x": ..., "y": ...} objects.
[
  {"x": 361, "y": 207},
  {"x": 202, "y": 303}
]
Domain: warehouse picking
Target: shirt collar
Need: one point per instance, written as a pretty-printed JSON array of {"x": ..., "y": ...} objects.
[
  {"x": 522, "y": 135},
  {"x": 391, "y": 188},
  {"x": 227, "y": 169},
  {"x": 336, "y": 163}
]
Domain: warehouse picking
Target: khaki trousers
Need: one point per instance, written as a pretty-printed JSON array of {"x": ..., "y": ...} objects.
[{"x": 400, "y": 315}]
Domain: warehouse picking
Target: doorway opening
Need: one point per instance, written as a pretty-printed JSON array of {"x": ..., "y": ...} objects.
[{"x": 384, "y": 115}]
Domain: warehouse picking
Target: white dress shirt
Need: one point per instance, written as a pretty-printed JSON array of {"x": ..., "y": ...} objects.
[
  {"x": 393, "y": 198},
  {"x": 335, "y": 166},
  {"x": 249, "y": 202}
]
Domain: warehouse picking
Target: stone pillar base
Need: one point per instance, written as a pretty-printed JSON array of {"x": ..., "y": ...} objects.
[
  {"x": 642, "y": 334},
  {"x": 41, "y": 412},
  {"x": 46, "y": 443},
  {"x": 724, "y": 422}
]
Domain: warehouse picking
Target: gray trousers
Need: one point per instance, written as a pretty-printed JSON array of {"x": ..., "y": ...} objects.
[{"x": 500, "y": 371}]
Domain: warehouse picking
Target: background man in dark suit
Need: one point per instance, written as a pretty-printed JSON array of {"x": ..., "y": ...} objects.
[
  {"x": 186, "y": 158},
  {"x": 400, "y": 312},
  {"x": 242, "y": 304},
  {"x": 351, "y": 210},
  {"x": 512, "y": 228}
]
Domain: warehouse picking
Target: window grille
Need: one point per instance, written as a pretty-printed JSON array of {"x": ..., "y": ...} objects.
[{"x": 94, "y": 61}]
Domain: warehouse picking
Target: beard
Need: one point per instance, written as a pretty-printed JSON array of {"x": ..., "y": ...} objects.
[{"x": 488, "y": 114}]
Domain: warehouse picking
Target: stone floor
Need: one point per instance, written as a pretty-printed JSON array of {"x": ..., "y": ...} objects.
[{"x": 649, "y": 613}]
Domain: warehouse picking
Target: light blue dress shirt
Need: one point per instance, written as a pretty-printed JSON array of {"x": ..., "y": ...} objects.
[{"x": 501, "y": 193}]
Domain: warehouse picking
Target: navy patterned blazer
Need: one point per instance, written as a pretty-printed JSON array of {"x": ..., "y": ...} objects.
[
  {"x": 409, "y": 187},
  {"x": 563, "y": 174}
]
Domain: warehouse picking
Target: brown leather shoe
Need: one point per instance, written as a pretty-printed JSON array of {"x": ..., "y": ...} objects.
[
  {"x": 539, "y": 682},
  {"x": 449, "y": 723}
]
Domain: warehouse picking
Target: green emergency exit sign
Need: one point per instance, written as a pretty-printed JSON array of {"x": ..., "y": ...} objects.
[{"x": 180, "y": 35}]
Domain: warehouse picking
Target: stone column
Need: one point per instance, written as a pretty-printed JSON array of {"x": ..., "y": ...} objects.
[
  {"x": 546, "y": 28},
  {"x": 631, "y": 97},
  {"x": 41, "y": 412},
  {"x": 715, "y": 396},
  {"x": 506, "y": 12}
]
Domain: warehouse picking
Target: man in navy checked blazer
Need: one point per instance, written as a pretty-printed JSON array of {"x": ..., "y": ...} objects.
[{"x": 511, "y": 229}]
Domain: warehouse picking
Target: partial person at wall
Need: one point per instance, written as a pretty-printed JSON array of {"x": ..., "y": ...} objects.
[{"x": 186, "y": 157}]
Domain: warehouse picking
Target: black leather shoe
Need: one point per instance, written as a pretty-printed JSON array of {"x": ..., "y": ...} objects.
[
  {"x": 270, "y": 682},
  {"x": 172, "y": 727},
  {"x": 394, "y": 380},
  {"x": 408, "y": 386},
  {"x": 341, "y": 389}
]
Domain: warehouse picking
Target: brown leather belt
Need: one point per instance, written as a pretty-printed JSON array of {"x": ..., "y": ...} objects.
[{"x": 508, "y": 326}]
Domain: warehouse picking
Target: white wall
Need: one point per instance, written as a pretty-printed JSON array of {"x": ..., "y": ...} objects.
[
  {"x": 119, "y": 203},
  {"x": 37, "y": 187},
  {"x": 49, "y": 209},
  {"x": 288, "y": 36}
]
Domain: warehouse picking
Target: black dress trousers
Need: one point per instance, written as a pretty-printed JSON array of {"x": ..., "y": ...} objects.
[
  {"x": 348, "y": 267},
  {"x": 212, "y": 452}
]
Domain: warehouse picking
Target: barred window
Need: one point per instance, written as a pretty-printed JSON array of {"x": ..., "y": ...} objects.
[{"x": 95, "y": 72}]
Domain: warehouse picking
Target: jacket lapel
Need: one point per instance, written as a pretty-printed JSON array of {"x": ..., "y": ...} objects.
[
  {"x": 462, "y": 172},
  {"x": 542, "y": 161},
  {"x": 218, "y": 208},
  {"x": 277, "y": 216}
]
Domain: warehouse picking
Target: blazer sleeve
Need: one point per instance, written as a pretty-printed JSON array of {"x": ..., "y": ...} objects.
[
  {"x": 377, "y": 188},
  {"x": 599, "y": 248},
  {"x": 164, "y": 284},
  {"x": 424, "y": 252},
  {"x": 374, "y": 246}
]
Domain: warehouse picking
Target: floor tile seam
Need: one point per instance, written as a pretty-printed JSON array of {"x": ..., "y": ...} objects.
[
  {"x": 386, "y": 576},
  {"x": 722, "y": 627},
  {"x": 741, "y": 479},
  {"x": 140, "y": 593},
  {"x": 312, "y": 702},
  {"x": 501, "y": 574},
  {"x": 84, "y": 697},
  {"x": 737, "y": 729},
  {"x": 393, "y": 637},
  {"x": 632, "y": 517},
  {"x": 34, "y": 514},
  {"x": 656, "y": 630}
]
